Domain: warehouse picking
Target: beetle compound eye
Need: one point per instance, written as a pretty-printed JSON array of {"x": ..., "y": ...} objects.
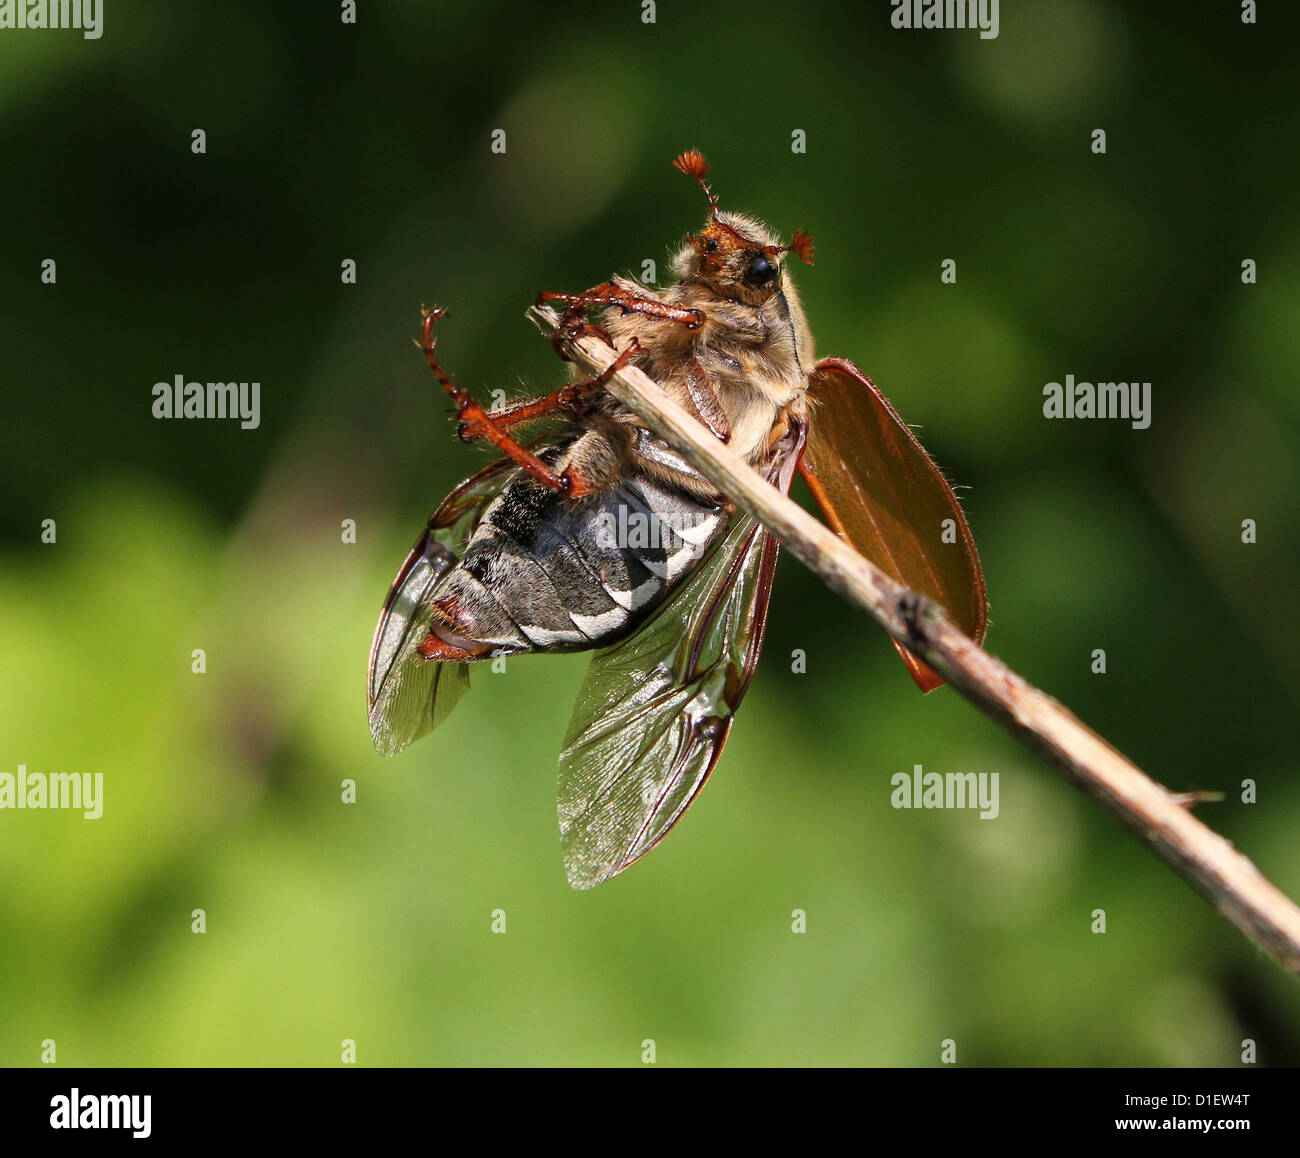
[
  {"x": 711, "y": 246},
  {"x": 760, "y": 272}
]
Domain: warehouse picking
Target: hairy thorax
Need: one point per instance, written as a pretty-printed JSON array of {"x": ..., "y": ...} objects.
[{"x": 755, "y": 358}]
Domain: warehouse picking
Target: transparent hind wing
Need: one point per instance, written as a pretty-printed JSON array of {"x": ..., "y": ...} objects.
[
  {"x": 407, "y": 694},
  {"x": 654, "y": 710}
]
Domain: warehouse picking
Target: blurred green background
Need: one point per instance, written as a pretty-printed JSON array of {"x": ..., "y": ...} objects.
[{"x": 372, "y": 921}]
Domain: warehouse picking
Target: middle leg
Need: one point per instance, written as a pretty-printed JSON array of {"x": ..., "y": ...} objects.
[{"x": 475, "y": 419}]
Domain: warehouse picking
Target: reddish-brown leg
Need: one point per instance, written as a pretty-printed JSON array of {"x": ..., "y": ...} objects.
[
  {"x": 574, "y": 319},
  {"x": 470, "y": 412},
  {"x": 572, "y": 398},
  {"x": 472, "y": 415}
]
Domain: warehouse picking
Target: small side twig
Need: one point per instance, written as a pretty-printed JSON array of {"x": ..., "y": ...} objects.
[{"x": 1161, "y": 819}]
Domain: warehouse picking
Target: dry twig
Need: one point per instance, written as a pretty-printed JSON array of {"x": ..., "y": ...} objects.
[{"x": 1204, "y": 859}]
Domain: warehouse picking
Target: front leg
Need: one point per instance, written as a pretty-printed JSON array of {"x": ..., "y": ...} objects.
[{"x": 573, "y": 322}]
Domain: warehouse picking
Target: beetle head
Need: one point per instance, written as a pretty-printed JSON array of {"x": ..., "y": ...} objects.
[{"x": 734, "y": 255}]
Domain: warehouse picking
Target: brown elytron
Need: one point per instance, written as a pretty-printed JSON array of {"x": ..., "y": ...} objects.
[{"x": 595, "y": 535}]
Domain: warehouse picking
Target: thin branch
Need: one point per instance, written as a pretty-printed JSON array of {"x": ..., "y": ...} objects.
[{"x": 1204, "y": 859}]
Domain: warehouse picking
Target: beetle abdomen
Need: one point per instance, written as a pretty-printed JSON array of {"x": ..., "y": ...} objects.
[{"x": 545, "y": 573}]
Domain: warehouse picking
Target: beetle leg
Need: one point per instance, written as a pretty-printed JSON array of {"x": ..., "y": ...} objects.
[
  {"x": 572, "y": 398},
  {"x": 472, "y": 415},
  {"x": 573, "y": 321},
  {"x": 705, "y": 399}
]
